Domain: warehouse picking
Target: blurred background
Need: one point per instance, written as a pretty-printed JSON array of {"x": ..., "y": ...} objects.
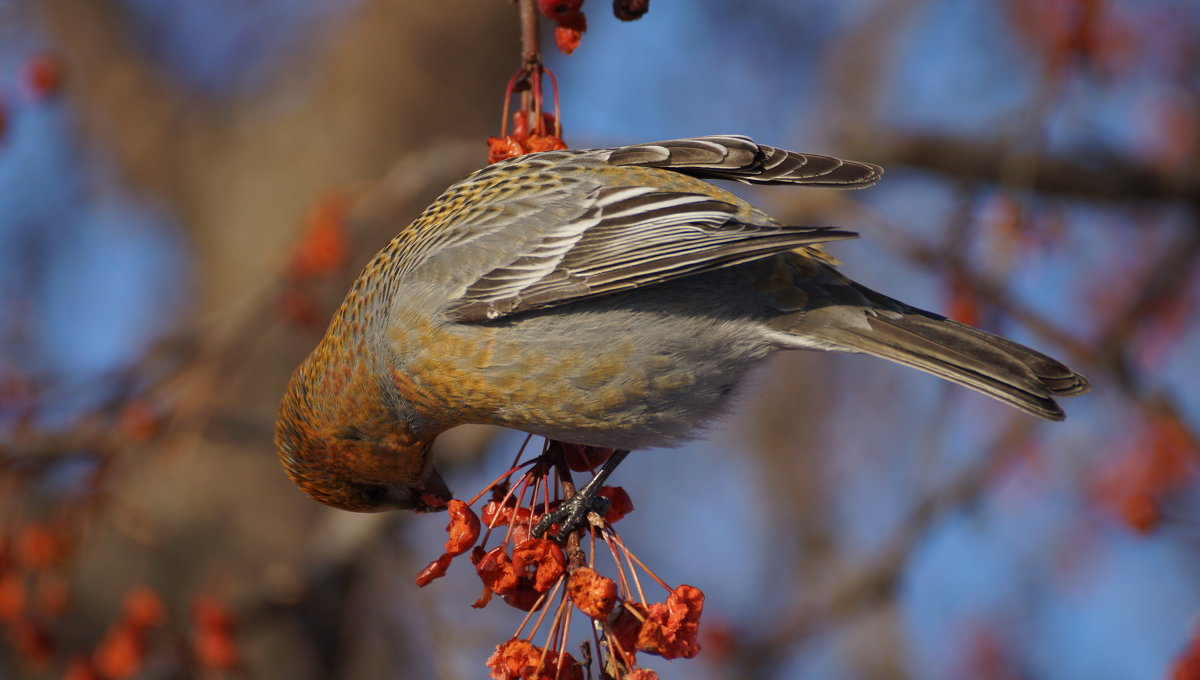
[{"x": 188, "y": 188}]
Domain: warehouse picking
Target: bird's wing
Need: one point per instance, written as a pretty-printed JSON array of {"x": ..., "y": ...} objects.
[
  {"x": 738, "y": 158},
  {"x": 551, "y": 228},
  {"x": 627, "y": 237}
]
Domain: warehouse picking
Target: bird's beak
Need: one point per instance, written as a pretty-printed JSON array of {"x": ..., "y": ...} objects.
[{"x": 431, "y": 492}]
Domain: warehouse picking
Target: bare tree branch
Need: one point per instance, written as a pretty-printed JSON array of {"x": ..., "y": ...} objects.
[{"x": 1106, "y": 179}]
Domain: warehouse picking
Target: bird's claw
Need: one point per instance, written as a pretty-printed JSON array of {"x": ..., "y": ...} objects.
[{"x": 571, "y": 515}]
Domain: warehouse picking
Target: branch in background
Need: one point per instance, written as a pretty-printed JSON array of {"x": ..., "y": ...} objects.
[
  {"x": 872, "y": 583},
  {"x": 1106, "y": 179},
  {"x": 180, "y": 397},
  {"x": 1107, "y": 351}
]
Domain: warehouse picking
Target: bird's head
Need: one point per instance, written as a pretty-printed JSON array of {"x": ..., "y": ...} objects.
[{"x": 356, "y": 459}]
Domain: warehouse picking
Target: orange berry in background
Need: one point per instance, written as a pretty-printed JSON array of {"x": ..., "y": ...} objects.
[
  {"x": 121, "y": 653},
  {"x": 143, "y": 608},
  {"x": 44, "y": 75},
  {"x": 12, "y": 597},
  {"x": 38, "y": 546}
]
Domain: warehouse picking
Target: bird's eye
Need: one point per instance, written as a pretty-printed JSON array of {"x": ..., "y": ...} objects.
[{"x": 376, "y": 494}]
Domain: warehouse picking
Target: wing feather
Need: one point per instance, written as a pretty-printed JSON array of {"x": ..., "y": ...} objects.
[
  {"x": 632, "y": 239},
  {"x": 738, "y": 158},
  {"x": 579, "y": 227}
]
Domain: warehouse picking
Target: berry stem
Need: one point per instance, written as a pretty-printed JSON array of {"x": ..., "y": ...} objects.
[
  {"x": 545, "y": 597},
  {"x": 497, "y": 480}
]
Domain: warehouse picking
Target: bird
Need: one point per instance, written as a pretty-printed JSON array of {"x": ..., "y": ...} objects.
[{"x": 609, "y": 297}]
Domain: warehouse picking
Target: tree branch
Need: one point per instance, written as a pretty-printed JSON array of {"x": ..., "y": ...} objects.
[
  {"x": 1110, "y": 178},
  {"x": 873, "y": 584}
]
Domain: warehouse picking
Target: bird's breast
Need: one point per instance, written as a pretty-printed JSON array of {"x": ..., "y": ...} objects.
[{"x": 622, "y": 371}]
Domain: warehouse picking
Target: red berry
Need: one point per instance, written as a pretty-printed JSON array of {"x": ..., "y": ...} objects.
[{"x": 44, "y": 74}]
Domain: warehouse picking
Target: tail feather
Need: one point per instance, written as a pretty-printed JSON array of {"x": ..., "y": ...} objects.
[{"x": 995, "y": 366}]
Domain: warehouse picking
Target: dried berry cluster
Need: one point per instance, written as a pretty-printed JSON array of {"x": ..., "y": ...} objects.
[
  {"x": 545, "y": 135},
  {"x": 34, "y": 590},
  {"x": 321, "y": 252},
  {"x": 533, "y": 129},
  {"x": 571, "y": 23},
  {"x": 529, "y": 573},
  {"x": 35, "y": 600},
  {"x": 570, "y": 20}
]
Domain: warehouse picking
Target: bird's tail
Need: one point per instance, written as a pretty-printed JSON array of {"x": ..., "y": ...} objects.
[{"x": 995, "y": 366}]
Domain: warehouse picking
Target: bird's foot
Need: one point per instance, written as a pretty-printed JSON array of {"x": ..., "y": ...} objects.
[{"x": 571, "y": 515}]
